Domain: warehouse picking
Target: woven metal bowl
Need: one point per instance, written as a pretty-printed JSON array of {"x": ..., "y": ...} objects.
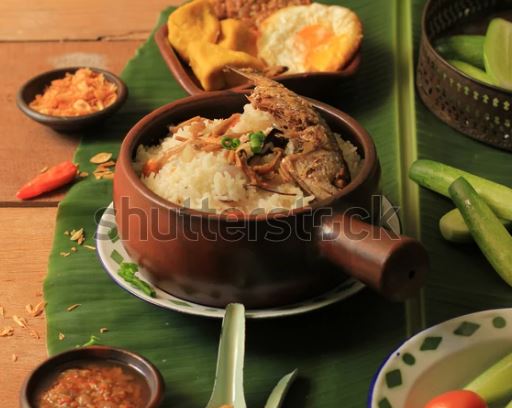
[{"x": 481, "y": 111}]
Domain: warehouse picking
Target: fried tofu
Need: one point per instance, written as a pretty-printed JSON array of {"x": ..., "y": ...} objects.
[
  {"x": 194, "y": 21},
  {"x": 208, "y": 61},
  {"x": 238, "y": 36}
]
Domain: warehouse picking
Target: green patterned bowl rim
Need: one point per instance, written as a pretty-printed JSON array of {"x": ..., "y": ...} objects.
[{"x": 390, "y": 377}]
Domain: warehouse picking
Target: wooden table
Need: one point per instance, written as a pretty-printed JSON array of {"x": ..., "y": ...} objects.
[{"x": 35, "y": 36}]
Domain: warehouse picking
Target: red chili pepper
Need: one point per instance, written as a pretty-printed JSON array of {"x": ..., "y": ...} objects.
[{"x": 55, "y": 177}]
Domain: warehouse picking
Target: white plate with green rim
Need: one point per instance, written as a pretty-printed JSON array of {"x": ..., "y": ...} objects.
[
  {"x": 443, "y": 358},
  {"x": 112, "y": 253}
]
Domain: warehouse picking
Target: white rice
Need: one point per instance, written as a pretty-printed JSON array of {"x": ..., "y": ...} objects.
[{"x": 206, "y": 181}]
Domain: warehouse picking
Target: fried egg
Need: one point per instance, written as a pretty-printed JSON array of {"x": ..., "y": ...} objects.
[{"x": 310, "y": 38}]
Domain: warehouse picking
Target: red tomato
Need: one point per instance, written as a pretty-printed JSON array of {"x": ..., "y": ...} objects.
[{"x": 457, "y": 399}]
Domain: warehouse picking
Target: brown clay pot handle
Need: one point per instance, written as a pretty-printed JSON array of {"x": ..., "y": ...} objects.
[{"x": 394, "y": 265}]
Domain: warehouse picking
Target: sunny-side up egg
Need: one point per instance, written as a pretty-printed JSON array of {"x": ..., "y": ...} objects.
[{"x": 310, "y": 38}]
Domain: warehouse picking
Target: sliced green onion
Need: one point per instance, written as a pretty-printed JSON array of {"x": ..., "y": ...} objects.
[
  {"x": 256, "y": 141},
  {"x": 127, "y": 272},
  {"x": 93, "y": 340},
  {"x": 229, "y": 143}
]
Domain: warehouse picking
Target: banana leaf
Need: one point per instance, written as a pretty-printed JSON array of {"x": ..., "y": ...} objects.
[
  {"x": 461, "y": 280},
  {"x": 337, "y": 350}
]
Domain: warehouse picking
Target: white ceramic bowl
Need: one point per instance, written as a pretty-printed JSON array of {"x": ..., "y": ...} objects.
[{"x": 443, "y": 358}]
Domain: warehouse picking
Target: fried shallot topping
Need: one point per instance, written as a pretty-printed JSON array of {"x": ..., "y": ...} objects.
[{"x": 81, "y": 93}]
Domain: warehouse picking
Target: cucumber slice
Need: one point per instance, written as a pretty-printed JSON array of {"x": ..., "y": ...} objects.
[
  {"x": 473, "y": 72},
  {"x": 454, "y": 229},
  {"x": 438, "y": 177},
  {"x": 467, "y": 48},
  {"x": 498, "y": 52},
  {"x": 494, "y": 384},
  {"x": 487, "y": 230}
]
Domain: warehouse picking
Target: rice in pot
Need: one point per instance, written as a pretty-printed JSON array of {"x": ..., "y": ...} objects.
[{"x": 207, "y": 181}]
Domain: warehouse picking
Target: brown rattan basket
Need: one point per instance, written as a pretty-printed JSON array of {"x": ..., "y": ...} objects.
[{"x": 481, "y": 111}]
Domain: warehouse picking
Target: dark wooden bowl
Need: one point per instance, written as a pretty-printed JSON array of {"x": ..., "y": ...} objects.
[
  {"x": 49, "y": 369},
  {"x": 310, "y": 84},
  {"x": 261, "y": 260},
  {"x": 37, "y": 85}
]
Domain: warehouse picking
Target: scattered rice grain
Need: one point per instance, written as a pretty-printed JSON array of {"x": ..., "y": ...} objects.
[
  {"x": 92, "y": 248},
  {"x": 39, "y": 308},
  {"x": 73, "y": 307},
  {"x": 20, "y": 321},
  {"x": 103, "y": 330},
  {"x": 101, "y": 173},
  {"x": 7, "y": 331},
  {"x": 14, "y": 358},
  {"x": 30, "y": 309},
  {"x": 61, "y": 336},
  {"x": 109, "y": 176},
  {"x": 77, "y": 234},
  {"x": 100, "y": 158},
  {"x": 106, "y": 165}
]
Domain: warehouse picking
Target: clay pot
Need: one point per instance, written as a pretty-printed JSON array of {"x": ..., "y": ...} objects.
[{"x": 261, "y": 260}]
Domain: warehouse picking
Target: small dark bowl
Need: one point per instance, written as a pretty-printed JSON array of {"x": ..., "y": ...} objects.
[
  {"x": 36, "y": 86},
  {"x": 311, "y": 84},
  {"x": 46, "y": 371}
]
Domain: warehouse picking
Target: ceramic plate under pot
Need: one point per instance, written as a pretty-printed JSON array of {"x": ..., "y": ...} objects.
[{"x": 111, "y": 253}]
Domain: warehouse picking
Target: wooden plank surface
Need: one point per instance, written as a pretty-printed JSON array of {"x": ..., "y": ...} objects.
[
  {"x": 57, "y": 20},
  {"x": 25, "y": 241},
  {"x": 26, "y": 146}
]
